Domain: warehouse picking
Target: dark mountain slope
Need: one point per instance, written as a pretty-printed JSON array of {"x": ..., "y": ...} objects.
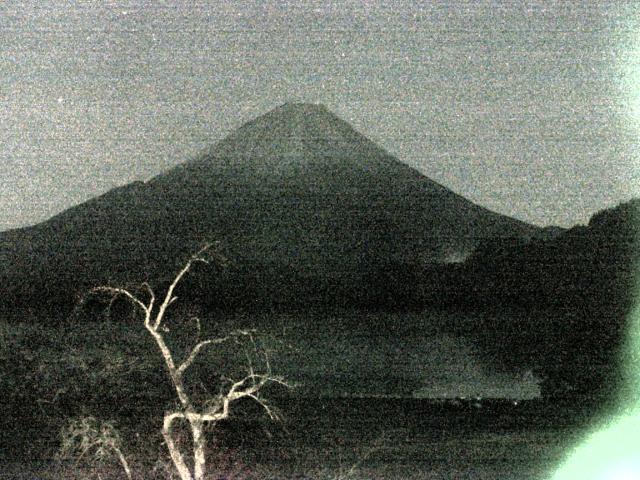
[
  {"x": 586, "y": 264},
  {"x": 569, "y": 300},
  {"x": 303, "y": 204}
]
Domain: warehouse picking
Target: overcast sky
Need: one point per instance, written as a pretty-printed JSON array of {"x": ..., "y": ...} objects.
[{"x": 529, "y": 108}]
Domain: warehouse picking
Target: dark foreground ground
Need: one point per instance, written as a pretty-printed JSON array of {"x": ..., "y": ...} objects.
[{"x": 362, "y": 439}]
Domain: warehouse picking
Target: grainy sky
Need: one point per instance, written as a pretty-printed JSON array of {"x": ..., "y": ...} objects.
[{"x": 529, "y": 108}]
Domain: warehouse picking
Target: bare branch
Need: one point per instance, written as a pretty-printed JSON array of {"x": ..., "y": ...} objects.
[
  {"x": 273, "y": 415},
  {"x": 194, "y": 352},
  {"x": 258, "y": 381},
  {"x": 152, "y": 296},
  {"x": 213, "y": 341},
  {"x": 169, "y": 298},
  {"x": 221, "y": 408},
  {"x": 121, "y": 291}
]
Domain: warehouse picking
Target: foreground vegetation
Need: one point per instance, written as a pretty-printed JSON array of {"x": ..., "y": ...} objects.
[
  {"x": 69, "y": 370},
  {"x": 360, "y": 442}
]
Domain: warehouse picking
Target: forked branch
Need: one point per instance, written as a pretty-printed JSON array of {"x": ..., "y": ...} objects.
[{"x": 212, "y": 341}]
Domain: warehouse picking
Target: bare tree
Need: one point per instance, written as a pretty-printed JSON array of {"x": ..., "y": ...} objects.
[{"x": 214, "y": 408}]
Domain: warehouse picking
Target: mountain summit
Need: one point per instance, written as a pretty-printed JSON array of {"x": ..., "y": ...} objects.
[
  {"x": 302, "y": 203},
  {"x": 295, "y": 142},
  {"x": 297, "y": 134}
]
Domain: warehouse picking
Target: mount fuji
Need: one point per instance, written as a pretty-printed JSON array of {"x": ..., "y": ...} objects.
[{"x": 301, "y": 202}]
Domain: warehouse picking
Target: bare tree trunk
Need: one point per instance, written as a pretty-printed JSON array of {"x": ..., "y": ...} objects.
[
  {"x": 174, "y": 450},
  {"x": 199, "y": 446}
]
